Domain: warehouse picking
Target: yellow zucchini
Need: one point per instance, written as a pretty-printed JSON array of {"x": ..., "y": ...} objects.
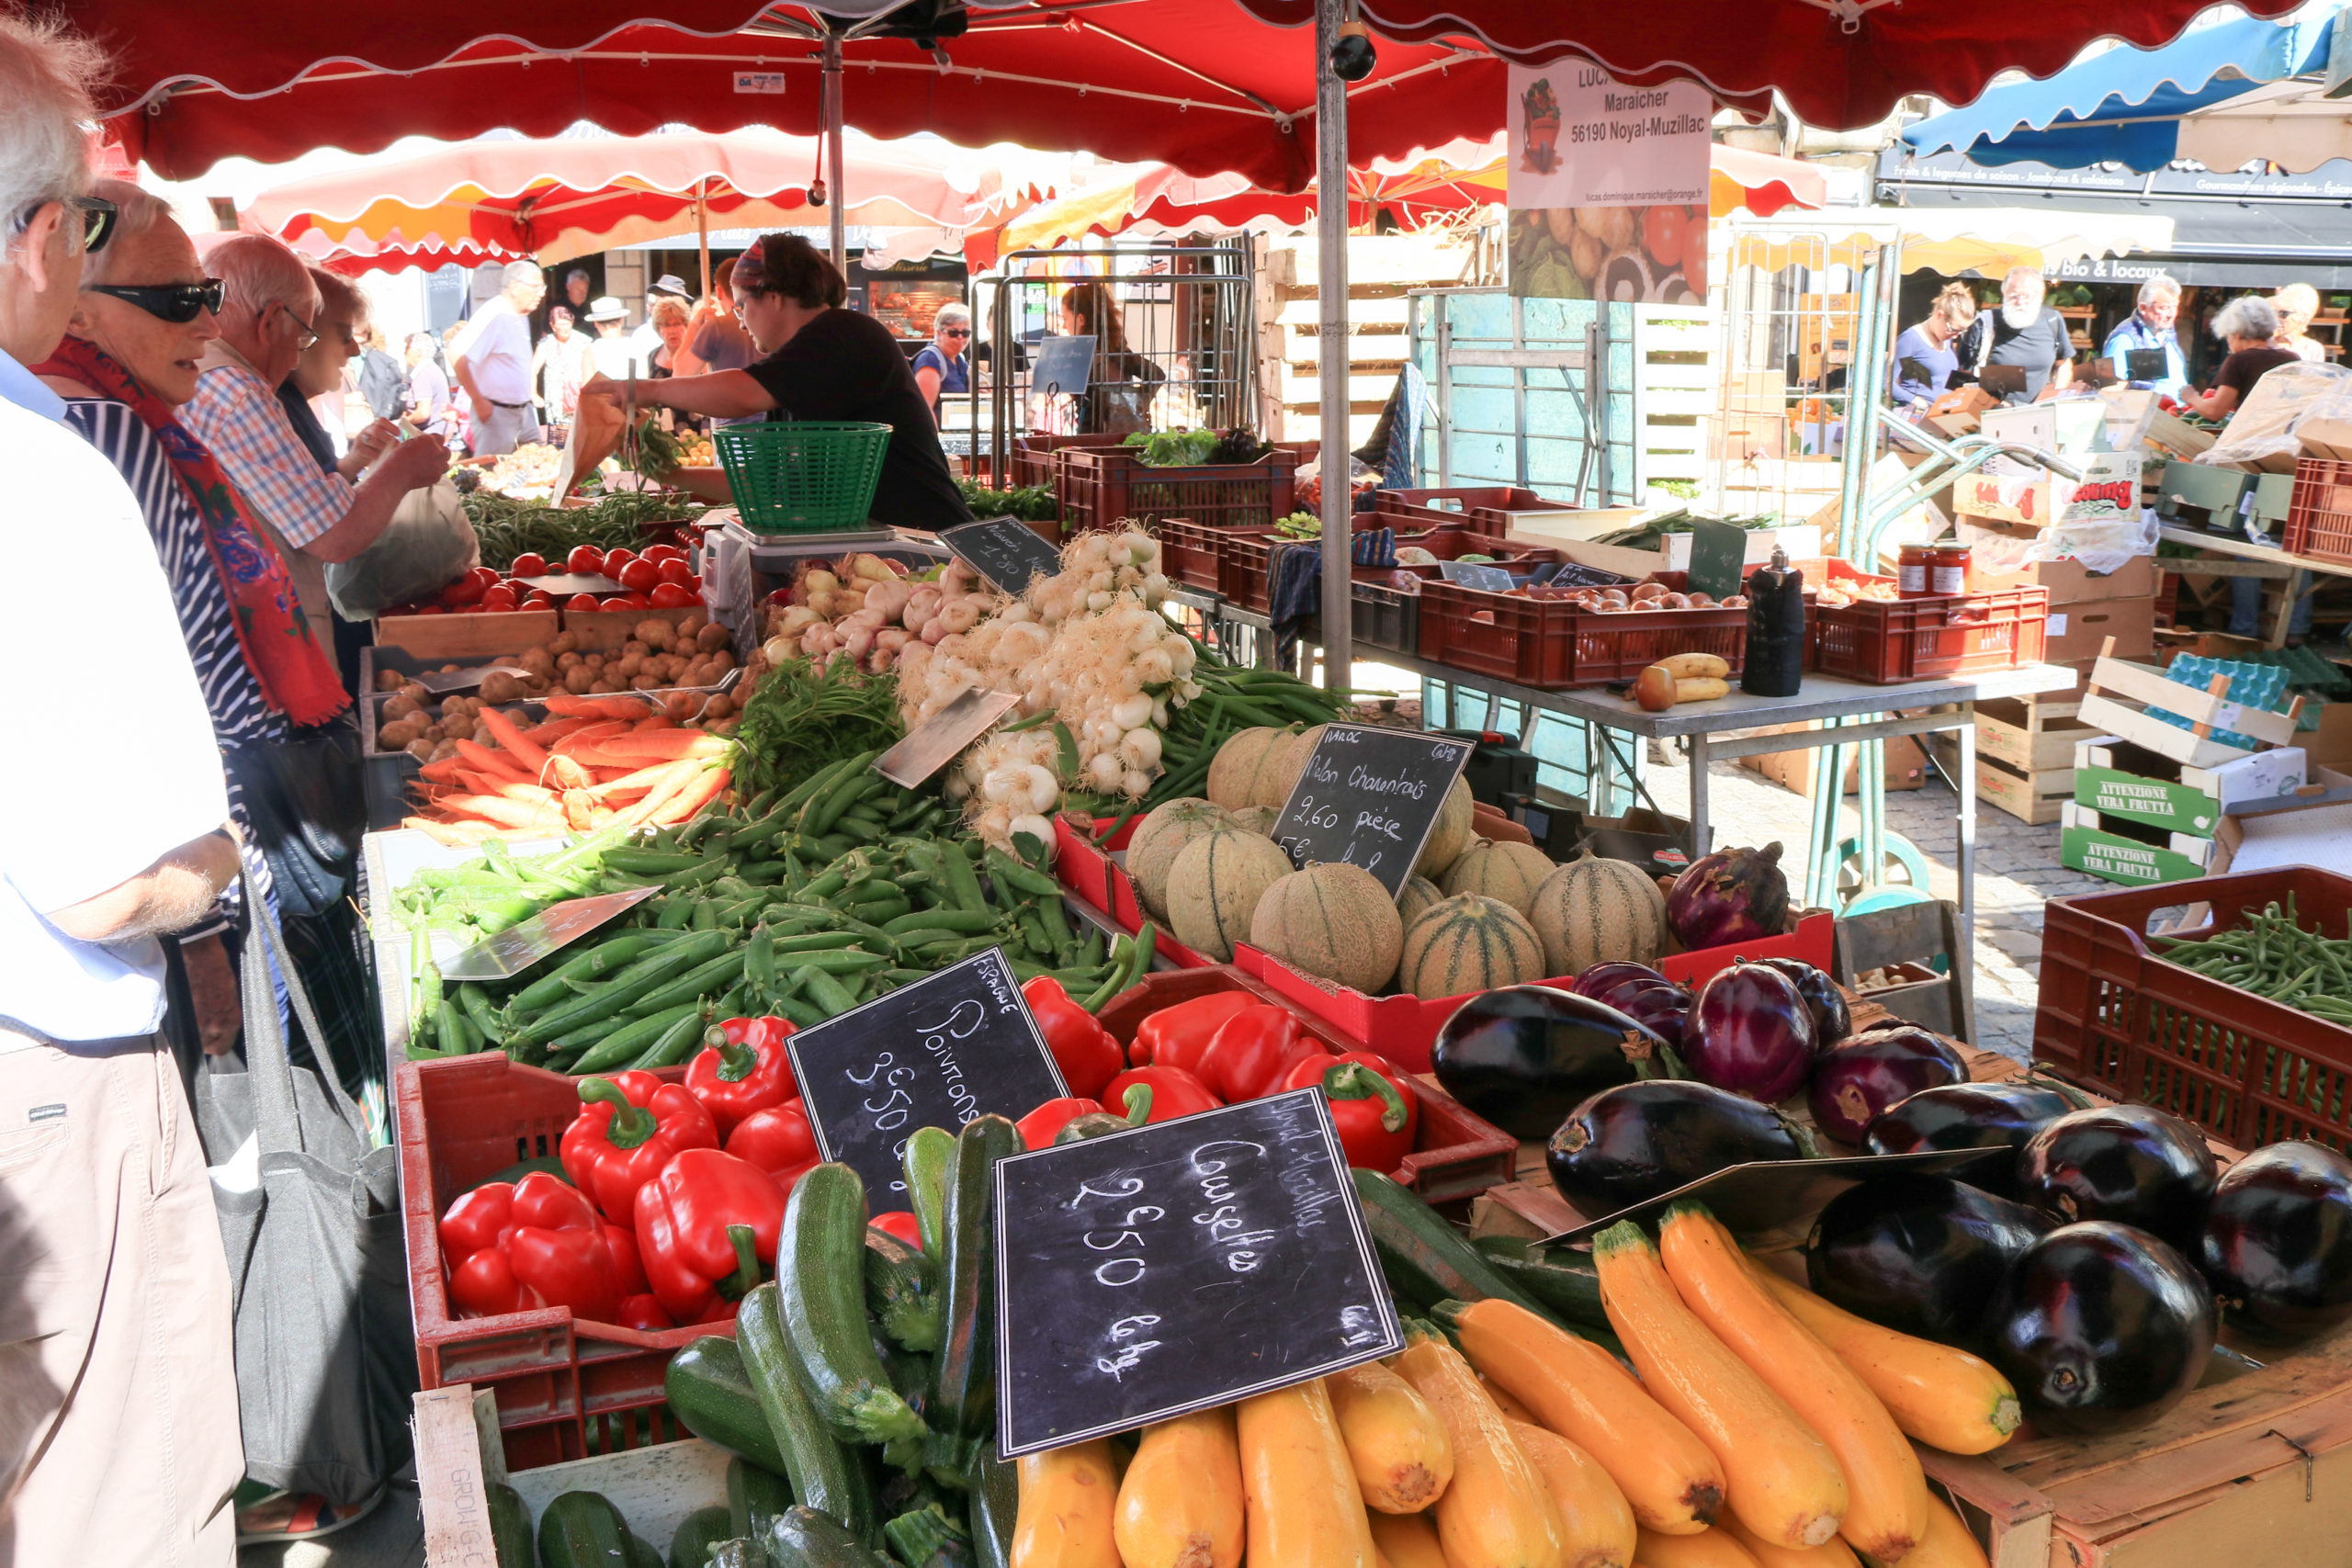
[
  {"x": 1066, "y": 1501},
  {"x": 1179, "y": 1502},
  {"x": 1782, "y": 1479},
  {"x": 1832, "y": 1553},
  {"x": 1947, "y": 1544},
  {"x": 1408, "y": 1540},
  {"x": 1673, "y": 1482},
  {"x": 1596, "y": 1525},
  {"x": 1497, "y": 1513},
  {"x": 1707, "y": 1549},
  {"x": 1886, "y": 1507},
  {"x": 1946, "y": 1398},
  {"x": 1395, "y": 1440},
  {"x": 1510, "y": 1408},
  {"x": 1696, "y": 666},
  {"x": 1299, "y": 1491},
  {"x": 1705, "y": 689}
]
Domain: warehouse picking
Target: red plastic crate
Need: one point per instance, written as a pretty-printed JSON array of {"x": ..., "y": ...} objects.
[
  {"x": 1082, "y": 860},
  {"x": 2319, "y": 513},
  {"x": 1880, "y": 642},
  {"x": 1103, "y": 486},
  {"x": 2115, "y": 1017},
  {"x": 1189, "y": 551},
  {"x": 1031, "y": 458},
  {"x": 1452, "y": 541},
  {"x": 1456, "y": 1154},
  {"x": 567, "y": 1388},
  {"x": 1420, "y": 507},
  {"x": 1544, "y": 640}
]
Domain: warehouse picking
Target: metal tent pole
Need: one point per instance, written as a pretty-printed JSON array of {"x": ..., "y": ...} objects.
[
  {"x": 702, "y": 231},
  {"x": 833, "y": 115},
  {"x": 1331, "y": 288}
]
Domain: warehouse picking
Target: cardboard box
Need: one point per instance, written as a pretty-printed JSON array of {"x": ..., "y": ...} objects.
[
  {"x": 1964, "y": 402},
  {"x": 2311, "y": 827},
  {"x": 2329, "y": 746},
  {"x": 2115, "y": 849},
  {"x": 2078, "y": 631},
  {"x": 2327, "y": 438},
  {"x": 2070, "y": 427},
  {"x": 2119, "y": 779},
  {"x": 2069, "y": 581},
  {"x": 1801, "y": 540},
  {"x": 2108, "y": 489},
  {"x": 1906, "y": 764}
]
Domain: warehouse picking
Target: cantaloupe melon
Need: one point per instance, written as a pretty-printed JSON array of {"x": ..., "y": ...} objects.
[
  {"x": 1468, "y": 942},
  {"x": 1295, "y": 763},
  {"x": 1257, "y": 818},
  {"x": 1417, "y": 894},
  {"x": 1334, "y": 920},
  {"x": 1214, "y": 888},
  {"x": 1158, "y": 840},
  {"x": 1247, "y": 770},
  {"x": 1507, "y": 870},
  {"x": 1450, "y": 836},
  {"x": 1592, "y": 909}
]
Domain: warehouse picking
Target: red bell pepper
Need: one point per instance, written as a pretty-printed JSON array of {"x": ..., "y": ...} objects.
[
  {"x": 1084, "y": 1051},
  {"x": 515, "y": 1246},
  {"x": 1374, "y": 1106},
  {"x": 1179, "y": 1036},
  {"x": 1253, "y": 1050},
  {"x": 704, "y": 1227},
  {"x": 749, "y": 1071},
  {"x": 1174, "y": 1091},
  {"x": 778, "y": 1140},
  {"x": 629, "y": 1127},
  {"x": 1038, "y": 1128},
  {"x": 901, "y": 1223}
]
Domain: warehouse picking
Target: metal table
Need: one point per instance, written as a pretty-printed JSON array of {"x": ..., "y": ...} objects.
[{"x": 2254, "y": 561}]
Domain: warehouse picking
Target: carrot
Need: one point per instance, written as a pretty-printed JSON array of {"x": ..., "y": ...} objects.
[
  {"x": 529, "y": 756},
  {"x": 597, "y": 731},
  {"x": 670, "y": 743},
  {"x": 441, "y": 772},
  {"x": 680, "y": 775},
  {"x": 566, "y": 772},
  {"x": 571, "y": 706},
  {"x": 505, "y": 813},
  {"x": 456, "y": 835},
  {"x": 555, "y": 730},
  {"x": 656, "y": 721},
  {"x": 694, "y": 797},
  {"x": 482, "y": 759},
  {"x": 639, "y": 780},
  {"x": 578, "y": 809}
]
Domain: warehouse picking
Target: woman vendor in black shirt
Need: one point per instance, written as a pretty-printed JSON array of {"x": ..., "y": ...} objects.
[{"x": 821, "y": 362}]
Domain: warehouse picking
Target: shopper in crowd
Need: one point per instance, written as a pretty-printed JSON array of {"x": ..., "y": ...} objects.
[
  {"x": 572, "y": 297},
  {"x": 559, "y": 364},
  {"x": 1118, "y": 396},
  {"x": 946, "y": 363},
  {"x": 383, "y": 379},
  {"x": 822, "y": 361},
  {"x": 647, "y": 336},
  {"x": 2250, "y": 326},
  {"x": 2297, "y": 304},
  {"x": 609, "y": 352},
  {"x": 1924, "y": 357},
  {"x": 492, "y": 360},
  {"x": 2024, "y": 333},
  {"x": 118, "y": 1425},
  {"x": 428, "y": 389},
  {"x": 341, "y": 309},
  {"x": 2150, "y": 328},
  {"x": 715, "y": 339}
]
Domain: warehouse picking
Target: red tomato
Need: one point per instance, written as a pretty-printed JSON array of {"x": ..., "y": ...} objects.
[
  {"x": 670, "y": 596},
  {"x": 899, "y": 1222},
  {"x": 485, "y": 575},
  {"x": 657, "y": 554},
  {"x": 432, "y": 610},
  {"x": 506, "y": 608},
  {"x": 530, "y": 563},
  {"x": 615, "y": 560},
  {"x": 638, "y": 576},
  {"x": 679, "y": 572},
  {"x": 466, "y": 590},
  {"x": 584, "y": 558},
  {"x": 499, "y": 598},
  {"x": 628, "y": 602},
  {"x": 538, "y": 602},
  {"x": 583, "y": 601}
]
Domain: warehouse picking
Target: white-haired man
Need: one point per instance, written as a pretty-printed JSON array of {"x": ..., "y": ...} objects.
[
  {"x": 2150, "y": 328},
  {"x": 2024, "y": 333},
  {"x": 269, "y": 315},
  {"x": 118, "y": 1418},
  {"x": 492, "y": 360}
]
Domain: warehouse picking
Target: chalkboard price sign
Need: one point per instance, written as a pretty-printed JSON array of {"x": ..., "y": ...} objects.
[
  {"x": 1369, "y": 797},
  {"x": 1178, "y": 1266},
  {"x": 937, "y": 1053},
  {"x": 1005, "y": 550}
]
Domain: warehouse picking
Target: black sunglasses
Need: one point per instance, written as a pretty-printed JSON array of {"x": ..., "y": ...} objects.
[
  {"x": 98, "y": 217},
  {"x": 172, "y": 303}
]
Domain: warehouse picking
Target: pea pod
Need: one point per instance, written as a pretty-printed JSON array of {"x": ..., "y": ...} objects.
[
  {"x": 624, "y": 1045},
  {"x": 637, "y": 980}
]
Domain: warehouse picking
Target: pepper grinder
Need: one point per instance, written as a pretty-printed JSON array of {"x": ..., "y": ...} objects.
[{"x": 1775, "y": 664}]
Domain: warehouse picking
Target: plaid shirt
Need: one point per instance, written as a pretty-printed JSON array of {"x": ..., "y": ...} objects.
[{"x": 237, "y": 414}]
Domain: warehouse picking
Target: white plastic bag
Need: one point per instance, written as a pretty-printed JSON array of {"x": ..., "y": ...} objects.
[
  {"x": 2262, "y": 432},
  {"x": 428, "y": 545}
]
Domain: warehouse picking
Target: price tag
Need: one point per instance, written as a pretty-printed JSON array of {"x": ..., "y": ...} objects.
[
  {"x": 1718, "y": 550},
  {"x": 1005, "y": 550},
  {"x": 1369, "y": 797},
  {"x": 1477, "y": 574},
  {"x": 1178, "y": 1266},
  {"x": 938, "y": 1053}
]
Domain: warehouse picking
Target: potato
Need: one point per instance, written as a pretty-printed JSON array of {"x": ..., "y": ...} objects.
[
  {"x": 679, "y": 708},
  {"x": 1705, "y": 689},
  {"x": 645, "y": 683},
  {"x": 713, "y": 636},
  {"x": 577, "y": 680},
  {"x": 416, "y": 694},
  {"x": 691, "y": 623},
  {"x": 605, "y": 687},
  {"x": 399, "y": 705},
  {"x": 443, "y": 750},
  {"x": 628, "y": 669},
  {"x": 654, "y": 631},
  {"x": 568, "y": 661},
  {"x": 390, "y": 679},
  {"x": 395, "y": 736},
  {"x": 483, "y": 736},
  {"x": 721, "y": 659},
  {"x": 424, "y": 750},
  {"x": 633, "y": 649},
  {"x": 498, "y": 686},
  {"x": 595, "y": 663},
  {"x": 537, "y": 660},
  {"x": 563, "y": 643},
  {"x": 718, "y": 707}
]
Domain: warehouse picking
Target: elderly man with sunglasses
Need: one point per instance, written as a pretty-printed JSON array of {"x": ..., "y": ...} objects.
[
  {"x": 269, "y": 310},
  {"x": 120, "y": 1423}
]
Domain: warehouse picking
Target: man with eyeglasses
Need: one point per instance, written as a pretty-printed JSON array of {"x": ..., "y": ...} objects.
[
  {"x": 270, "y": 314},
  {"x": 946, "y": 363},
  {"x": 121, "y": 1419},
  {"x": 492, "y": 360}
]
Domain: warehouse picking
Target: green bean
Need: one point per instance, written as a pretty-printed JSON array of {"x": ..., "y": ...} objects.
[{"x": 674, "y": 1044}]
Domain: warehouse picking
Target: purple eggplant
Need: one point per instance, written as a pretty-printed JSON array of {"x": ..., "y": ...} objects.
[
  {"x": 1638, "y": 1141},
  {"x": 1523, "y": 1056},
  {"x": 2126, "y": 1163},
  {"x": 2278, "y": 1242},
  {"x": 1665, "y": 1007},
  {"x": 1601, "y": 979},
  {"x": 1854, "y": 1082},
  {"x": 1749, "y": 1032},
  {"x": 1831, "y": 1020},
  {"x": 1920, "y": 1254},
  {"x": 1731, "y": 895},
  {"x": 2102, "y": 1327},
  {"x": 1996, "y": 1117}
]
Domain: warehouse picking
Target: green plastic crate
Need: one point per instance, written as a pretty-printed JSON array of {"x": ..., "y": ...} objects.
[{"x": 803, "y": 476}]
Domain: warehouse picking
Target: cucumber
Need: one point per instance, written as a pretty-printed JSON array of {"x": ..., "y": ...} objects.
[
  {"x": 993, "y": 1499},
  {"x": 805, "y": 1538},
  {"x": 1426, "y": 1258},
  {"x": 697, "y": 1533},
  {"x": 825, "y": 1473},
  {"x": 900, "y": 1291},
  {"x": 582, "y": 1529},
  {"x": 740, "y": 1553},
  {"x": 820, "y": 1267},
  {"x": 510, "y": 1526},
  {"x": 1560, "y": 1277},
  {"x": 929, "y": 1159},
  {"x": 710, "y": 1387},
  {"x": 755, "y": 1499},
  {"x": 964, "y": 1401}
]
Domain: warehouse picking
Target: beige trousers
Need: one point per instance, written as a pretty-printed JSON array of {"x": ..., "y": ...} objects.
[{"x": 118, "y": 1435}]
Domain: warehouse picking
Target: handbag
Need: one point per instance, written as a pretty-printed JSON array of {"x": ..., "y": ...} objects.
[
  {"x": 306, "y": 803},
  {"x": 326, "y": 1348}
]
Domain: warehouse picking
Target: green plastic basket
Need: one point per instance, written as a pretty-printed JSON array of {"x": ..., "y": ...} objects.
[{"x": 803, "y": 476}]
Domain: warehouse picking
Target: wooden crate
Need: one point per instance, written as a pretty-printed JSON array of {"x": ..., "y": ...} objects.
[
  {"x": 2031, "y": 734},
  {"x": 478, "y": 635}
]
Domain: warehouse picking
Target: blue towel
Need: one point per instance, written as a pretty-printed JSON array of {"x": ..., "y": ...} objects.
[{"x": 1294, "y": 580}]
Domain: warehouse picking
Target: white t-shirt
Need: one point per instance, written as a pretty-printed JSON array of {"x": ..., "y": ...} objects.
[
  {"x": 497, "y": 346},
  {"x": 612, "y": 358},
  {"x": 86, "y": 806}
]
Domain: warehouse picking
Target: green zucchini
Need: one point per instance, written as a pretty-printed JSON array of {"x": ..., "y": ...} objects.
[
  {"x": 582, "y": 1529},
  {"x": 910, "y": 1370},
  {"x": 742, "y": 1553},
  {"x": 821, "y": 1266},
  {"x": 900, "y": 1291},
  {"x": 965, "y": 1399},
  {"x": 929, "y": 1537},
  {"x": 804, "y": 1537},
  {"x": 710, "y": 1387},
  {"x": 826, "y": 1474},
  {"x": 636, "y": 1551},
  {"x": 755, "y": 1499},
  {"x": 510, "y": 1526},
  {"x": 698, "y": 1532},
  {"x": 993, "y": 1499},
  {"x": 1559, "y": 1276},
  {"x": 1426, "y": 1258}
]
